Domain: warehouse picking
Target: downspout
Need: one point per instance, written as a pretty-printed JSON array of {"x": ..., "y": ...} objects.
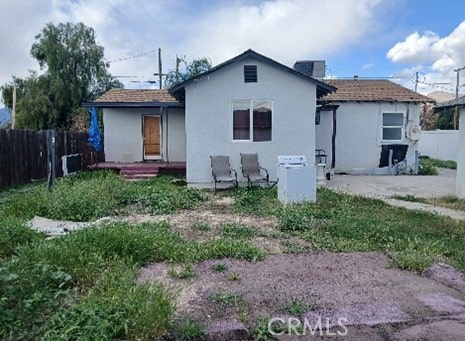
[
  {"x": 333, "y": 139},
  {"x": 167, "y": 130}
]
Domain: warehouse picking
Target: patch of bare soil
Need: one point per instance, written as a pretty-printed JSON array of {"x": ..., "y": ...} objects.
[{"x": 360, "y": 287}]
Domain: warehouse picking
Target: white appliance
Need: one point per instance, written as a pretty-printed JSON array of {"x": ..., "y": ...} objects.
[{"x": 296, "y": 179}]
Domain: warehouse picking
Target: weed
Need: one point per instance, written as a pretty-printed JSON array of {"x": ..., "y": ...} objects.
[
  {"x": 295, "y": 218},
  {"x": 265, "y": 330},
  {"x": 256, "y": 200},
  {"x": 410, "y": 197},
  {"x": 238, "y": 231},
  {"x": 118, "y": 309},
  {"x": 226, "y": 299},
  {"x": 184, "y": 273},
  {"x": 438, "y": 163},
  {"x": 294, "y": 307},
  {"x": 219, "y": 267},
  {"x": 189, "y": 330},
  {"x": 425, "y": 168},
  {"x": 200, "y": 226},
  {"x": 291, "y": 247},
  {"x": 14, "y": 233},
  {"x": 234, "y": 276}
]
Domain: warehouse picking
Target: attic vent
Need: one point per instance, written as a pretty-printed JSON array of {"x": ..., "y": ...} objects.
[{"x": 250, "y": 73}]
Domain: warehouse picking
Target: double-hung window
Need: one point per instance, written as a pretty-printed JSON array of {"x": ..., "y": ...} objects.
[
  {"x": 252, "y": 120},
  {"x": 393, "y": 126}
]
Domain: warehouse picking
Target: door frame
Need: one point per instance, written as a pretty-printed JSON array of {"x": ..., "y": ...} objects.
[{"x": 156, "y": 157}]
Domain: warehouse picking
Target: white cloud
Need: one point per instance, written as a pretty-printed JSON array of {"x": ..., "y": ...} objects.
[
  {"x": 414, "y": 49},
  {"x": 368, "y": 66},
  {"x": 285, "y": 30},
  {"x": 439, "y": 55}
]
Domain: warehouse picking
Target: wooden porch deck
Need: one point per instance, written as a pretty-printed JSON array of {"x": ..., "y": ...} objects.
[{"x": 142, "y": 170}]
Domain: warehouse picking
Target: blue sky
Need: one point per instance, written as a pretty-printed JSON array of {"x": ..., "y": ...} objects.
[{"x": 370, "y": 38}]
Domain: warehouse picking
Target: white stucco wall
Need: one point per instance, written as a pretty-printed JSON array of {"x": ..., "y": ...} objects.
[
  {"x": 359, "y": 133},
  {"x": 123, "y": 139},
  {"x": 209, "y": 118},
  {"x": 460, "y": 179}
]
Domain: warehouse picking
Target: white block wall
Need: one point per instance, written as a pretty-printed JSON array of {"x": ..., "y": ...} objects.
[{"x": 439, "y": 144}]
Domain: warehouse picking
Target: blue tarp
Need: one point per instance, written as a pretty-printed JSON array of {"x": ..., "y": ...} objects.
[{"x": 94, "y": 132}]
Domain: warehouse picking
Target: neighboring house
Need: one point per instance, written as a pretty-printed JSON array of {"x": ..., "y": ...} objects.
[
  {"x": 460, "y": 177},
  {"x": 359, "y": 123},
  {"x": 247, "y": 104}
]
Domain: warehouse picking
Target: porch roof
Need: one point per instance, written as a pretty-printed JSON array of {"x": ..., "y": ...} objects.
[{"x": 135, "y": 98}]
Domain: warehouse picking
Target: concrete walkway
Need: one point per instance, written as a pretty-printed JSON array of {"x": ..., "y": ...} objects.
[{"x": 385, "y": 187}]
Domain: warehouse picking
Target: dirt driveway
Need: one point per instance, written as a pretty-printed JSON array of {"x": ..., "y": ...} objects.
[{"x": 386, "y": 186}]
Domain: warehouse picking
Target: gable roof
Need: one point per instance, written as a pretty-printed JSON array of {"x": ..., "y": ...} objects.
[
  {"x": 178, "y": 90},
  {"x": 134, "y": 98},
  {"x": 371, "y": 90}
]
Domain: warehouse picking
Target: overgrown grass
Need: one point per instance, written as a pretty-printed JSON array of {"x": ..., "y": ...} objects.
[
  {"x": 92, "y": 195},
  {"x": 84, "y": 284},
  {"x": 342, "y": 223}
]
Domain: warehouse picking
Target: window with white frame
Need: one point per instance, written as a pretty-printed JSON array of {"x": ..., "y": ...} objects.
[
  {"x": 252, "y": 120},
  {"x": 393, "y": 126}
]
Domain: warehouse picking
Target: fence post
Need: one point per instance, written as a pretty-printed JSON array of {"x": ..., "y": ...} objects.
[{"x": 50, "y": 158}]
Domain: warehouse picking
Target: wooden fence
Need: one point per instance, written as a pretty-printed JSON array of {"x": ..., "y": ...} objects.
[{"x": 23, "y": 154}]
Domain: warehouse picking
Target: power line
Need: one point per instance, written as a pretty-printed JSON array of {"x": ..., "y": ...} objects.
[{"x": 133, "y": 57}]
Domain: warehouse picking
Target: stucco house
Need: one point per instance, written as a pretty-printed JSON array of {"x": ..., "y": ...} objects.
[
  {"x": 252, "y": 103},
  {"x": 365, "y": 118},
  {"x": 460, "y": 177},
  {"x": 249, "y": 103}
]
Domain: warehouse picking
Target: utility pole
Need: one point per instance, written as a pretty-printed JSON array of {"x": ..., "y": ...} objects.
[
  {"x": 416, "y": 81},
  {"x": 160, "y": 73},
  {"x": 159, "y": 67},
  {"x": 178, "y": 61},
  {"x": 456, "y": 112},
  {"x": 13, "y": 111}
]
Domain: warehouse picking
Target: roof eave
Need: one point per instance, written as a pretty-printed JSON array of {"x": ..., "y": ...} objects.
[
  {"x": 133, "y": 104},
  {"x": 374, "y": 100}
]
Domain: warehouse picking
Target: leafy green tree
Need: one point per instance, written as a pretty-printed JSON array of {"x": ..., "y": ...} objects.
[
  {"x": 187, "y": 70},
  {"x": 73, "y": 71}
]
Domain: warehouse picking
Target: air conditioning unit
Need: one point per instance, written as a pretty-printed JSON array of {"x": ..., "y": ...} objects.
[{"x": 414, "y": 133}]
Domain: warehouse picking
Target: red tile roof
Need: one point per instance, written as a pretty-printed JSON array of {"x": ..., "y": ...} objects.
[
  {"x": 371, "y": 90},
  {"x": 136, "y": 96}
]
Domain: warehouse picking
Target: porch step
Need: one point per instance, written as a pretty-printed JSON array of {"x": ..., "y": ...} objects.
[{"x": 135, "y": 173}]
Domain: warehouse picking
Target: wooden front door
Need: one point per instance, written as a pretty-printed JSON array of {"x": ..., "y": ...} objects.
[{"x": 152, "y": 137}]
